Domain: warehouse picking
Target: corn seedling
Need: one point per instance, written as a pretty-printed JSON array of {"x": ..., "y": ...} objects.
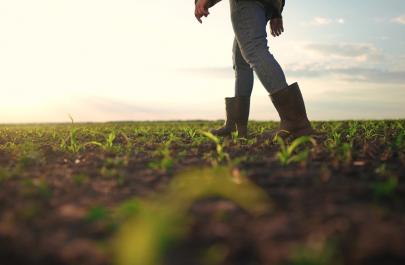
[
  {"x": 110, "y": 140},
  {"x": 71, "y": 144},
  {"x": 221, "y": 154},
  {"x": 388, "y": 186},
  {"x": 167, "y": 162},
  {"x": 164, "y": 220},
  {"x": 190, "y": 132},
  {"x": 288, "y": 153}
]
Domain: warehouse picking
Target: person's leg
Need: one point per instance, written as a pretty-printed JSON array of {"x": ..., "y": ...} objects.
[
  {"x": 249, "y": 21},
  {"x": 243, "y": 73},
  {"x": 243, "y": 89},
  {"x": 238, "y": 107}
]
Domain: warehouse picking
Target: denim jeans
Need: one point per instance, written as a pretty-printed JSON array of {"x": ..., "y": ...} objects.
[{"x": 250, "y": 50}]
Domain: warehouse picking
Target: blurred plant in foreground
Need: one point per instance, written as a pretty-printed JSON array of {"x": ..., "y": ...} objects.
[{"x": 163, "y": 220}]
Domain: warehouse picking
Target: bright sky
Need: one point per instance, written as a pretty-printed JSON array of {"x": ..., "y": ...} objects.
[{"x": 101, "y": 60}]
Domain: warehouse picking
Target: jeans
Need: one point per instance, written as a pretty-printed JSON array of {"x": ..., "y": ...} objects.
[{"x": 250, "y": 50}]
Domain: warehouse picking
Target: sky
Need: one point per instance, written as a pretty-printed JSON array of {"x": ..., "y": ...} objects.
[{"x": 109, "y": 60}]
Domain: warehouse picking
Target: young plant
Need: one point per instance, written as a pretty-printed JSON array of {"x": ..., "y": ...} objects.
[
  {"x": 164, "y": 219},
  {"x": 71, "y": 144},
  {"x": 108, "y": 144},
  {"x": 345, "y": 151},
  {"x": 352, "y": 130},
  {"x": 113, "y": 168},
  {"x": 399, "y": 141},
  {"x": 110, "y": 140},
  {"x": 333, "y": 141},
  {"x": 288, "y": 153},
  {"x": 221, "y": 154},
  {"x": 387, "y": 187},
  {"x": 190, "y": 132},
  {"x": 167, "y": 162}
]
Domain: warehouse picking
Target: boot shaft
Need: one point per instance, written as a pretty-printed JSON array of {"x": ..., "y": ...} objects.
[
  {"x": 243, "y": 110},
  {"x": 237, "y": 115},
  {"x": 242, "y": 107},
  {"x": 291, "y": 109},
  {"x": 289, "y": 103}
]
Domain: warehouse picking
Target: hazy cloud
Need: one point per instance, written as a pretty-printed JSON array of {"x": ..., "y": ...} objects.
[
  {"x": 349, "y": 50},
  {"x": 323, "y": 21},
  {"x": 356, "y": 62},
  {"x": 399, "y": 19},
  {"x": 355, "y": 74},
  {"x": 340, "y": 21}
]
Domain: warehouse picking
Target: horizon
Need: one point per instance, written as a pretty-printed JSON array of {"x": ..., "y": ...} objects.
[{"x": 181, "y": 121}]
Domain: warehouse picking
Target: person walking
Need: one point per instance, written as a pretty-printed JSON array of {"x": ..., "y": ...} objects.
[{"x": 251, "y": 53}]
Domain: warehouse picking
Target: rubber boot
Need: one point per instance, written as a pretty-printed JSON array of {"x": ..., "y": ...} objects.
[
  {"x": 237, "y": 116},
  {"x": 242, "y": 109},
  {"x": 230, "y": 123},
  {"x": 291, "y": 109}
]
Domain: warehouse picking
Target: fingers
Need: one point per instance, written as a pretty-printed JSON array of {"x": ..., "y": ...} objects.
[
  {"x": 276, "y": 26},
  {"x": 205, "y": 12},
  {"x": 200, "y": 11},
  {"x": 272, "y": 30},
  {"x": 281, "y": 26},
  {"x": 197, "y": 16}
]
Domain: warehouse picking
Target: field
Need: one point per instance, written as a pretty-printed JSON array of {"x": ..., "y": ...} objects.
[{"x": 154, "y": 193}]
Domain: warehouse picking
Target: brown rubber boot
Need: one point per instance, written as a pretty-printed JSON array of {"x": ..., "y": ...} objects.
[
  {"x": 237, "y": 115},
  {"x": 291, "y": 109},
  {"x": 230, "y": 122},
  {"x": 242, "y": 107}
]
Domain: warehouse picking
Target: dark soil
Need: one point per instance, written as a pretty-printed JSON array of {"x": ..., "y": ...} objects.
[{"x": 328, "y": 209}]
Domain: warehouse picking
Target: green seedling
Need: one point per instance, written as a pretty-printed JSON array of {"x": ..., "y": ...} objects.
[
  {"x": 345, "y": 152},
  {"x": 164, "y": 219},
  {"x": 110, "y": 140},
  {"x": 112, "y": 168},
  {"x": 221, "y": 154},
  {"x": 108, "y": 143},
  {"x": 190, "y": 132},
  {"x": 128, "y": 145},
  {"x": 399, "y": 142},
  {"x": 352, "y": 130},
  {"x": 97, "y": 213},
  {"x": 167, "y": 162},
  {"x": 235, "y": 136},
  {"x": 369, "y": 131},
  {"x": 333, "y": 141},
  {"x": 289, "y": 154},
  {"x": 126, "y": 210},
  {"x": 387, "y": 187},
  {"x": 71, "y": 144}
]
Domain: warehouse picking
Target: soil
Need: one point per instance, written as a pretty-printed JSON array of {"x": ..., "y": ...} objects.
[{"x": 326, "y": 209}]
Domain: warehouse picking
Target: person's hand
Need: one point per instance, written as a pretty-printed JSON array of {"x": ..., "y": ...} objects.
[
  {"x": 201, "y": 9},
  {"x": 276, "y": 26}
]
